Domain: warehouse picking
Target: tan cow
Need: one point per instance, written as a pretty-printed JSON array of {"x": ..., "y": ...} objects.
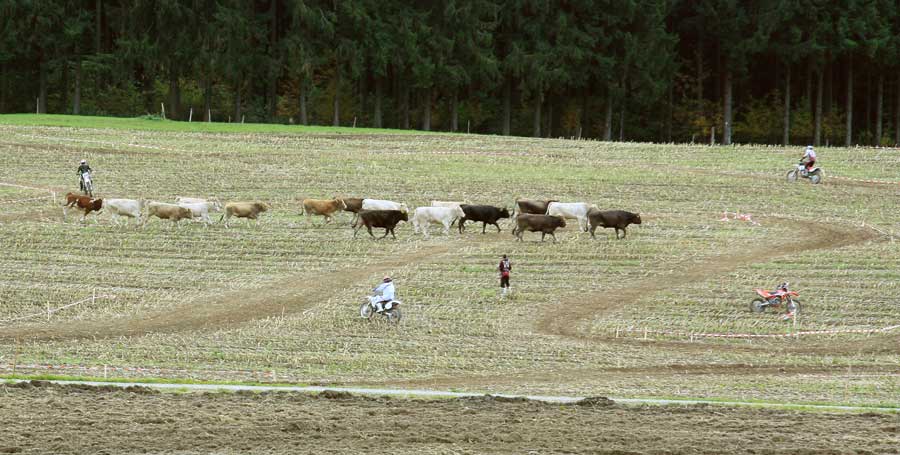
[
  {"x": 323, "y": 207},
  {"x": 165, "y": 211},
  {"x": 244, "y": 210}
]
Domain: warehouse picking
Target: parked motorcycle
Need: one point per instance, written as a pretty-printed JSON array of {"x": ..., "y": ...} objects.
[
  {"x": 368, "y": 310},
  {"x": 780, "y": 299},
  {"x": 814, "y": 175}
]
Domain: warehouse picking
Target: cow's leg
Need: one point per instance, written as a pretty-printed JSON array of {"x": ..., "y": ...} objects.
[
  {"x": 392, "y": 233},
  {"x": 543, "y": 234},
  {"x": 624, "y": 232},
  {"x": 369, "y": 228},
  {"x": 460, "y": 225},
  {"x": 386, "y": 231},
  {"x": 554, "y": 237},
  {"x": 497, "y": 225},
  {"x": 593, "y": 228}
]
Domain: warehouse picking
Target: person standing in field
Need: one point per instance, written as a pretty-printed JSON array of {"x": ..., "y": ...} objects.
[{"x": 505, "y": 267}]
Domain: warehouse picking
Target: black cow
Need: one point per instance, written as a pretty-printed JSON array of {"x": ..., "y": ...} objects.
[
  {"x": 386, "y": 219},
  {"x": 533, "y": 206},
  {"x": 617, "y": 219},
  {"x": 487, "y": 214},
  {"x": 545, "y": 224}
]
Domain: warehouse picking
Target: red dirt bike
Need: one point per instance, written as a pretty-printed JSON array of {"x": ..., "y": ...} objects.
[{"x": 783, "y": 299}]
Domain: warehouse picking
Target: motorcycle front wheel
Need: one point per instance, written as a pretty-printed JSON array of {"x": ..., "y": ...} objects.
[
  {"x": 792, "y": 176},
  {"x": 365, "y": 311},
  {"x": 758, "y": 305}
]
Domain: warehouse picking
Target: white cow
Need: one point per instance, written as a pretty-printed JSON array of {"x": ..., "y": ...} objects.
[
  {"x": 124, "y": 207},
  {"x": 446, "y": 203},
  {"x": 201, "y": 209},
  {"x": 436, "y": 215},
  {"x": 381, "y": 204},
  {"x": 573, "y": 211},
  {"x": 215, "y": 207}
]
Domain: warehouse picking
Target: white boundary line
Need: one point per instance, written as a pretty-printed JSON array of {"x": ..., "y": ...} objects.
[
  {"x": 49, "y": 311},
  {"x": 418, "y": 393}
]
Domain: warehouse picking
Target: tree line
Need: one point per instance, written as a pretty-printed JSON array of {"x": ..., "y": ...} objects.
[{"x": 764, "y": 71}]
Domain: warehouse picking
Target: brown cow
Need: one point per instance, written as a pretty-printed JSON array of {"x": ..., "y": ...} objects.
[
  {"x": 545, "y": 224},
  {"x": 532, "y": 206},
  {"x": 244, "y": 210},
  {"x": 323, "y": 207},
  {"x": 171, "y": 212},
  {"x": 82, "y": 202},
  {"x": 386, "y": 219},
  {"x": 616, "y": 219},
  {"x": 353, "y": 205}
]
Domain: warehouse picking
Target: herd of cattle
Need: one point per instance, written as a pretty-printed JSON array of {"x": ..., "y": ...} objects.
[{"x": 544, "y": 216}]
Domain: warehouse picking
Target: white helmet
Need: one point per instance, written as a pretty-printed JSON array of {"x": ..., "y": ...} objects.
[
  {"x": 83, "y": 161},
  {"x": 809, "y": 147}
]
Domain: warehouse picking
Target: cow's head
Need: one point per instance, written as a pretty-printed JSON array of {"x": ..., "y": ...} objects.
[
  {"x": 404, "y": 216},
  {"x": 97, "y": 204},
  {"x": 341, "y": 203},
  {"x": 562, "y": 221},
  {"x": 458, "y": 211},
  {"x": 504, "y": 212},
  {"x": 636, "y": 219},
  {"x": 261, "y": 206}
]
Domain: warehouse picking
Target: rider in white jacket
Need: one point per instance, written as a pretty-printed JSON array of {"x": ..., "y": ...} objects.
[{"x": 383, "y": 293}]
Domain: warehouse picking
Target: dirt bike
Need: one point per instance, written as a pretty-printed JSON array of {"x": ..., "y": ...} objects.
[
  {"x": 766, "y": 299},
  {"x": 814, "y": 175},
  {"x": 87, "y": 185},
  {"x": 391, "y": 310}
]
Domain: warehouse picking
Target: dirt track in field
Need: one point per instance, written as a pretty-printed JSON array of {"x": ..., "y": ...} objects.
[
  {"x": 572, "y": 319},
  {"x": 42, "y": 418},
  {"x": 285, "y": 296}
]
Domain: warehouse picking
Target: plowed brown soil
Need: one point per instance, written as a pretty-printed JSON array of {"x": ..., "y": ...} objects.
[{"x": 41, "y": 418}]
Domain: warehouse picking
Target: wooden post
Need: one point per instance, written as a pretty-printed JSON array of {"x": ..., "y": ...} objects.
[
  {"x": 645, "y": 333},
  {"x": 712, "y": 135},
  {"x": 354, "y": 121},
  {"x": 37, "y": 105},
  {"x": 104, "y": 371},
  {"x": 617, "y": 332},
  {"x": 242, "y": 118},
  {"x": 468, "y": 126},
  {"x": 208, "y": 116},
  {"x": 48, "y": 311},
  {"x": 191, "y": 114},
  {"x": 163, "y": 109}
]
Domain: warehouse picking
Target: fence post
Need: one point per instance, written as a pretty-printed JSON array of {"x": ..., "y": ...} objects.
[
  {"x": 48, "y": 311},
  {"x": 16, "y": 356},
  {"x": 645, "y": 333},
  {"x": 191, "y": 115}
]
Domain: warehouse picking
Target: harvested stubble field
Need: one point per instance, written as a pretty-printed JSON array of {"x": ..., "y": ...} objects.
[
  {"x": 279, "y": 301},
  {"x": 144, "y": 421}
]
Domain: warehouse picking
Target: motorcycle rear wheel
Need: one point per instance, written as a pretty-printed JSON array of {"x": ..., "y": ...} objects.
[
  {"x": 792, "y": 176},
  {"x": 394, "y": 316},
  {"x": 758, "y": 305},
  {"x": 815, "y": 178}
]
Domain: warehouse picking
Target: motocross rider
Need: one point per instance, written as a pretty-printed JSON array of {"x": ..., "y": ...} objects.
[
  {"x": 83, "y": 168},
  {"x": 809, "y": 157},
  {"x": 383, "y": 293}
]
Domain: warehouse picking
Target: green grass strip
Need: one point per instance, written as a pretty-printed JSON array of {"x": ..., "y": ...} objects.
[{"x": 152, "y": 124}]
